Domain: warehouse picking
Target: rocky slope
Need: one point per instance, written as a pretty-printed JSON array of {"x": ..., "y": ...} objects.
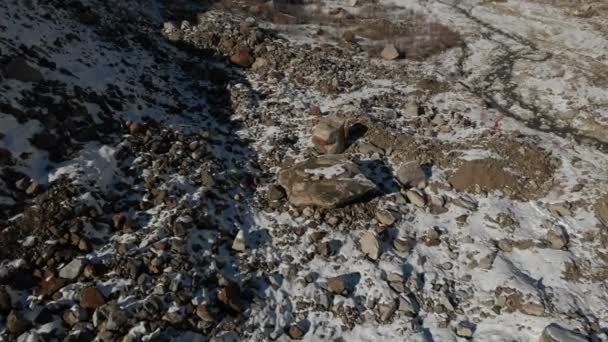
[{"x": 325, "y": 171}]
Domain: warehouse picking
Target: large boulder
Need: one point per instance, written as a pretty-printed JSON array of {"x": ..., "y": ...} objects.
[{"x": 326, "y": 181}]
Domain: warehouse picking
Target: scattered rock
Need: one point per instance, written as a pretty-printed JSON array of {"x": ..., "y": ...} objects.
[
  {"x": 242, "y": 57},
  {"x": 557, "y": 238},
  {"x": 339, "y": 284},
  {"x": 296, "y": 331},
  {"x": 327, "y": 181},
  {"x": 555, "y": 333},
  {"x": 329, "y": 135},
  {"x": 465, "y": 329},
  {"x": 416, "y": 198},
  {"x": 370, "y": 245},
  {"x": 231, "y": 296},
  {"x": 410, "y": 174},
  {"x": 91, "y": 298},
  {"x": 390, "y": 52},
  {"x": 72, "y": 270},
  {"x": 387, "y": 310},
  {"x": 385, "y": 217},
  {"x": 239, "y": 242},
  {"x": 15, "y": 324}
]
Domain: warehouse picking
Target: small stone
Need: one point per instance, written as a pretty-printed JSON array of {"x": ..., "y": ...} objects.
[
  {"x": 135, "y": 128},
  {"x": 465, "y": 329},
  {"x": 231, "y": 296},
  {"x": 242, "y": 57},
  {"x": 203, "y": 313},
  {"x": 505, "y": 245},
  {"x": 260, "y": 63},
  {"x": 370, "y": 245},
  {"x": 34, "y": 188},
  {"x": 348, "y": 36},
  {"x": 408, "y": 306},
  {"x": 557, "y": 238},
  {"x": 315, "y": 110},
  {"x": 403, "y": 246},
  {"x": 15, "y": 324},
  {"x": 91, "y": 298},
  {"x": 390, "y": 52},
  {"x": 559, "y": 209},
  {"x": 72, "y": 270},
  {"x": 329, "y": 135},
  {"x": 239, "y": 242},
  {"x": 387, "y": 310},
  {"x": 416, "y": 198},
  {"x": 338, "y": 284},
  {"x": 296, "y": 332},
  {"x": 556, "y": 333},
  {"x": 410, "y": 174},
  {"x": 533, "y": 309},
  {"x": 385, "y": 217}
]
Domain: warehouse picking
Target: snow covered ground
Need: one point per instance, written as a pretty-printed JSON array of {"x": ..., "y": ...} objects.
[{"x": 139, "y": 156}]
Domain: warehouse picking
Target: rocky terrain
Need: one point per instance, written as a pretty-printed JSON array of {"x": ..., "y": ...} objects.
[{"x": 362, "y": 170}]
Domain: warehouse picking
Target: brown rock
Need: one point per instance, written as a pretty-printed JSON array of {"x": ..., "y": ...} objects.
[
  {"x": 315, "y": 110},
  {"x": 91, "y": 298},
  {"x": 231, "y": 296},
  {"x": 135, "y": 128},
  {"x": 49, "y": 285},
  {"x": 329, "y": 135},
  {"x": 390, "y": 52},
  {"x": 349, "y": 36},
  {"x": 203, "y": 313},
  {"x": 326, "y": 181},
  {"x": 295, "y": 332},
  {"x": 242, "y": 57},
  {"x": 284, "y": 19}
]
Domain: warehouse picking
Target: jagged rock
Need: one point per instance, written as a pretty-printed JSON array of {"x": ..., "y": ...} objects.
[
  {"x": 390, "y": 52},
  {"x": 325, "y": 181},
  {"x": 555, "y": 333},
  {"x": 329, "y": 135},
  {"x": 370, "y": 245},
  {"x": 410, "y": 174},
  {"x": 72, "y": 270}
]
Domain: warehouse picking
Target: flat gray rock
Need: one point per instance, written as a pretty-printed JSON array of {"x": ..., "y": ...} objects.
[{"x": 326, "y": 181}]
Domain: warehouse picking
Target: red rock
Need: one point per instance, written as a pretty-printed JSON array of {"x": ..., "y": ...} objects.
[
  {"x": 91, "y": 298},
  {"x": 315, "y": 110},
  {"x": 135, "y": 128},
  {"x": 242, "y": 58}
]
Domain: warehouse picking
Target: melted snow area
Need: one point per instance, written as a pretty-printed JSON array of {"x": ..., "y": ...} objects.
[{"x": 139, "y": 151}]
